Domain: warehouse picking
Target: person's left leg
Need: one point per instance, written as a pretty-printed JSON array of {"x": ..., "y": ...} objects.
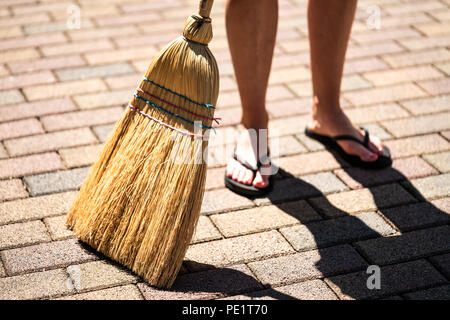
[{"x": 329, "y": 25}]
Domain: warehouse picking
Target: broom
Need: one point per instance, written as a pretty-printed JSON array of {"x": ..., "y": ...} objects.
[{"x": 141, "y": 200}]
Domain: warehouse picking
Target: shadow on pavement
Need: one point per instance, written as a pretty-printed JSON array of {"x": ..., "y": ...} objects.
[{"x": 332, "y": 236}]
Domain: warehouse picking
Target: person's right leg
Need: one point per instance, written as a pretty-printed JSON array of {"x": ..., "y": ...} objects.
[{"x": 251, "y": 29}]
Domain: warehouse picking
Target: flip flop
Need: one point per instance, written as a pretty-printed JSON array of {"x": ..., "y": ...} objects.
[
  {"x": 245, "y": 189},
  {"x": 384, "y": 160}
]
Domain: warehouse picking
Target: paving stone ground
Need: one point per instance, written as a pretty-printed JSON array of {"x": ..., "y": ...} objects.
[{"x": 312, "y": 237}]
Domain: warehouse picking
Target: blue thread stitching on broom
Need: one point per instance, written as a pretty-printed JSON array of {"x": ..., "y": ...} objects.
[
  {"x": 180, "y": 95},
  {"x": 165, "y": 124},
  {"x": 174, "y": 114}
]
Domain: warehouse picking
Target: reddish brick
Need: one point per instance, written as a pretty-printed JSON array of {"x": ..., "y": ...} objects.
[
  {"x": 436, "y": 87},
  {"x": 364, "y": 65},
  {"x": 21, "y": 234},
  {"x": 101, "y": 33},
  {"x": 35, "y": 109},
  {"x": 64, "y": 89},
  {"x": 239, "y": 249},
  {"x": 409, "y": 74},
  {"x": 80, "y": 156},
  {"x": 428, "y": 105},
  {"x": 44, "y": 256},
  {"x": 416, "y": 58},
  {"x": 30, "y": 79},
  {"x": 308, "y": 163},
  {"x": 418, "y": 125},
  {"x": 128, "y": 81},
  {"x": 384, "y": 94},
  {"x": 24, "y": 19},
  {"x": 417, "y": 145},
  {"x": 402, "y": 169},
  {"x": 289, "y": 75},
  {"x": 12, "y": 189},
  {"x": 18, "y": 55},
  {"x": 426, "y": 43},
  {"x": 143, "y": 17},
  {"x": 81, "y": 119},
  {"x": 285, "y": 108},
  {"x": 400, "y": 9},
  {"x": 46, "y": 64},
  {"x": 20, "y": 128},
  {"x": 434, "y": 28},
  {"x": 18, "y": 167},
  {"x": 119, "y": 55},
  {"x": 385, "y": 34},
  {"x": 77, "y": 47},
  {"x": 10, "y": 32},
  {"x": 50, "y": 141},
  {"x": 368, "y": 50},
  {"x": 32, "y": 41},
  {"x": 375, "y": 113}
]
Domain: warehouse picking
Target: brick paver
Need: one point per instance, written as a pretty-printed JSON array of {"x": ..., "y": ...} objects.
[{"x": 311, "y": 237}]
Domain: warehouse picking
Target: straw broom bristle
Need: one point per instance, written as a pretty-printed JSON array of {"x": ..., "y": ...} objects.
[{"x": 139, "y": 205}]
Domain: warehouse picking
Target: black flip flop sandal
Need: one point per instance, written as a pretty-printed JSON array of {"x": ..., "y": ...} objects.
[
  {"x": 244, "y": 189},
  {"x": 384, "y": 160}
]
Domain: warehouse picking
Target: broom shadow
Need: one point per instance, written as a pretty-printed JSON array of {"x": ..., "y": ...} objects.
[
  {"x": 222, "y": 281},
  {"x": 323, "y": 237}
]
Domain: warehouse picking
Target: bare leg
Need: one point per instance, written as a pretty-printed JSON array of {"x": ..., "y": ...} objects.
[
  {"x": 329, "y": 23},
  {"x": 251, "y": 30}
]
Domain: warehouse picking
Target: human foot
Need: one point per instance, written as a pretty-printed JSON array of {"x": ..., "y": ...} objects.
[
  {"x": 250, "y": 143},
  {"x": 338, "y": 124}
]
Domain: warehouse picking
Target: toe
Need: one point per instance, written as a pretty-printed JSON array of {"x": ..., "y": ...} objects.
[
  {"x": 248, "y": 177},
  {"x": 377, "y": 145},
  {"x": 357, "y": 149},
  {"x": 260, "y": 180}
]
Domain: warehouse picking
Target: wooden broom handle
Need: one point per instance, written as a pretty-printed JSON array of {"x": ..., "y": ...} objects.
[{"x": 204, "y": 8}]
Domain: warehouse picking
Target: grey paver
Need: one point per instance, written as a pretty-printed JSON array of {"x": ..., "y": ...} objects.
[
  {"x": 223, "y": 200},
  {"x": 34, "y": 285},
  {"x": 103, "y": 131},
  {"x": 440, "y": 161},
  {"x": 438, "y": 293},
  {"x": 307, "y": 290},
  {"x": 56, "y": 181},
  {"x": 21, "y": 234},
  {"x": 394, "y": 279},
  {"x": 127, "y": 292},
  {"x": 98, "y": 275},
  {"x": 430, "y": 187},
  {"x": 44, "y": 256},
  {"x": 442, "y": 262},
  {"x": 264, "y": 218},
  {"x": 205, "y": 231},
  {"x": 417, "y": 215},
  {"x": 308, "y": 265},
  {"x": 206, "y": 285},
  {"x": 237, "y": 249},
  {"x": 368, "y": 199},
  {"x": 408, "y": 246},
  {"x": 334, "y": 231}
]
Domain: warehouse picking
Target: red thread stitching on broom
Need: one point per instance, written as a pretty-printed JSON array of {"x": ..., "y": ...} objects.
[
  {"x": 172, "y": 105},
  {"x": 164, "y": 124}
]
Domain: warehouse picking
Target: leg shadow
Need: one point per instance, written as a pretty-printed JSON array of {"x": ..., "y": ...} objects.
[{"x": 331, "y": 241}]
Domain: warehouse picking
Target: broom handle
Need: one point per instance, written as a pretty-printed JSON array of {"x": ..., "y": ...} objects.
[{"x": 204, "y": 8}]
